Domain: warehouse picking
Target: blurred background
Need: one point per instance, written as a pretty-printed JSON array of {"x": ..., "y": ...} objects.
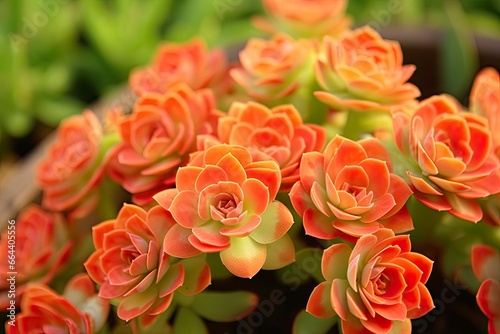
[{"x": 58, "y": 56}]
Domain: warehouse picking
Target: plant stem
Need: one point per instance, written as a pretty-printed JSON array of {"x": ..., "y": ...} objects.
[{"x": 359, "y": 123}]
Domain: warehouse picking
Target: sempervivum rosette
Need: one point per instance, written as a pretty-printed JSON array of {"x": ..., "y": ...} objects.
[
  {"x": 278, "y": 132},
  {"x": 485, "y": 262},
  {"x": 131, "y": 265},
  {"x": 453, "y": 163},
  {"x": 158, "y": 137},
  {"x": 224, "y": 202},
  {"x": 273, "y": 70},
  {"x": 305, "y": 18},
  {"x": 361, "y": 71},
  {"x": 73, "y": 169},
  {"x": 375, "y": 287},
  {"x": 78, "y": 311},
  {"x": 36, "y": 248},
  {"x": 348, "y": 190},
  {"x": 189, "y": 63}
]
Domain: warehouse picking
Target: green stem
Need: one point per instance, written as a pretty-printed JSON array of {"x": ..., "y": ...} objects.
[
  {"x": 426, "y": 221},
  {"x": 311, "y": 109},
  {"x": 134, "y": 327},
  {"x": 108, "y": 142},
  {"x": 401, "y": 163},
  {"x": 107, "y": 207},
  {"x": 359, "y": 123}
]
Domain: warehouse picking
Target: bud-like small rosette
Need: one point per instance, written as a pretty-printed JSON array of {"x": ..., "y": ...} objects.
[
  {"x": 158, "y": 137},
  {"x": 485, "y": 262},
  {"x": 349, "y": 190},
  {"x": 452, "y": 159},
  {"x": 305, "y": 18},
  {"x": 189, "y": 63},
  {"x": 278, "y": 132},
  {"x": 224, "y": 202},
  {"x": 78, "y": 311},
  {"x": 131, "y": 265},
  {"x": 273, "y": 70},
  {"x": 36, "y": 247},
  {"x": 361, "y": 71},
  {"x": 375, "y": 287},
  {"x": 485, "y": 101},
  {"x": 70, "y": 174}
]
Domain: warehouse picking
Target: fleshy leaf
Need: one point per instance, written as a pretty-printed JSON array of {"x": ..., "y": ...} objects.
[
  {"x": 245, "y": 257},
  {"x": 188, "y": 322},
  {"x": 319, "y": 304},
  {"x": 134, "y": 305},
  {"x": 224, "y": 306},
  {"x": 197, "y": 275},
  {"x": 279, "y": 253},
  {"x": 276, "y": 221},
  {"x": 306, "y": 323},
  {"x": 334, "y": 263}
]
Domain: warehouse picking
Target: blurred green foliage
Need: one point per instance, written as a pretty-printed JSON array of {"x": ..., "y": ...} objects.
[
  {"x": 37, "y": 56},
  {"x": 482, "y": 15},
  {"x": 56, "y": 56}
]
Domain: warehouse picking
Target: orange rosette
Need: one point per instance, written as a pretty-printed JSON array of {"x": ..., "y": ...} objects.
[
  {"x": 452, "y": 164},
  {"x": 361, "y": 71},
  {"x": 305, "y": 18},
  {"x": 36, "y": 248},
  {"x": 377, "y": 286},
  {"x": 72, "y": 171},
  {"x": 158, "y": 137},
  {"x": 190, "y": 63}
]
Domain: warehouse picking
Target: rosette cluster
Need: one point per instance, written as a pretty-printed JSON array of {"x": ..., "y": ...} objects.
[
  {"x": 189, "y": 63},
  {"x": 36, "y": 247},
  {"x": 224, "y": 201},
  {"x": 485, "y": 101},
  {"x": 72, "y": 171},
  {"x": 485, "y": 262},
  {"x": 278, "y": 132},
  {"x": 361, "y": 71},
  {"x": 305, "y": 18},
  {"x": 131, "y": 265},
  {"x": 348, "y": 190},
  {"x": 273, "y": 70},
  {"x": 318, "y": 118},
  {"x": 452, "y": 160},
  {"x": 157, "y": 138},
  {"x": 78, "y": 311},
  {"x": 377, "y": 286}
]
